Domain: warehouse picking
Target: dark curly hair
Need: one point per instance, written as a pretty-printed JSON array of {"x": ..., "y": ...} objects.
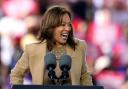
[{"x": 51, "y": 19}]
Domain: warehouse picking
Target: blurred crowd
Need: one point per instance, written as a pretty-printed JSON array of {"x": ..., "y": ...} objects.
[{"x": 103, "y": 24}]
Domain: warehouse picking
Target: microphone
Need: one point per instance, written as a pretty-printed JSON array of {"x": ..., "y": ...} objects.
[
  {"x": 50, "y": 63},
  {"x": 65, "y": 65}
]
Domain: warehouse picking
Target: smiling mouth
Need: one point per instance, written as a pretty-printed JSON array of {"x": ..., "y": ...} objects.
[{"x": 64, "y": 36}]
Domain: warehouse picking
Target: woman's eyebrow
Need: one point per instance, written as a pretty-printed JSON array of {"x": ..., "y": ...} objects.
[{"x": 66, "y": 22}]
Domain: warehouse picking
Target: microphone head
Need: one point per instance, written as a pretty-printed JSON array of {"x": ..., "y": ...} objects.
[
  {"x": 50, "y": 60},
  {"x": 65, "y": 62}
]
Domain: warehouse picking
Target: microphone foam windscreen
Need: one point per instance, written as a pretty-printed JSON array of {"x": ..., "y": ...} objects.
[
  {"x": 50, "y": 60},
  {"x": 65, "y": 62}
]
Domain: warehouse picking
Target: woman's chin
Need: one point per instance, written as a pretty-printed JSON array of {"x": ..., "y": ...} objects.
[{"x": 62, "y": 43}]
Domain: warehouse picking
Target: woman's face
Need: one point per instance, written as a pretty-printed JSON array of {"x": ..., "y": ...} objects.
[{"x": 61, "y": 32}]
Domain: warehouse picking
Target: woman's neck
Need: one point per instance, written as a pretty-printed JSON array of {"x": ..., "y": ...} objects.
[{"x": 59, "y": 45}]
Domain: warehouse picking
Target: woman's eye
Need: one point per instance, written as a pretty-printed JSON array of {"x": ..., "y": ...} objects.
[
  {"x": 63, "y": 24},
  {"x": 69, "y": 24}
]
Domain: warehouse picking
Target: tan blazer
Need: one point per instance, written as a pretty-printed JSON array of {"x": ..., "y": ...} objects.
[{"x": 32, "y": 60}]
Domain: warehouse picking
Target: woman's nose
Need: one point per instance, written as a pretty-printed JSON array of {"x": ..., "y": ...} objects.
[{"x": 67, "y": 27}]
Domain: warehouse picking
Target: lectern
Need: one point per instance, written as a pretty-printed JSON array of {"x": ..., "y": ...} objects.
[{"x": 55, "y": 87}]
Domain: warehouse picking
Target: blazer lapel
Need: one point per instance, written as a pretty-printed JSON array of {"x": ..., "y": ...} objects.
[{"x": 74, "y": 57}]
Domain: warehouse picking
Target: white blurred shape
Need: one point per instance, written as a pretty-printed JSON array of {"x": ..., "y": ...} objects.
[
  {"x": 6, "y": 50},
  {"x": 10, "y": 25},
  {"x": 101, "y": 63},
  {"x": 98, "y": 3}
]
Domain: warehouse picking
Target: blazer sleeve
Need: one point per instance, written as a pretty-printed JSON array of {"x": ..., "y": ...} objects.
[
  {"x": 18, "y": 72},
  {"x": 86, "y": 78}
]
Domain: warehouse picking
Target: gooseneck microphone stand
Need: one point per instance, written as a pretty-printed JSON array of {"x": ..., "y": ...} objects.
[
  {"x": 58, "y": 81},
  {"x": 52, "y": 75},
  {"x": 64, "y": 76}
]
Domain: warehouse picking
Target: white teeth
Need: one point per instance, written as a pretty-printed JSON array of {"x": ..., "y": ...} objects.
[{"x": 65, "y": 34}]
